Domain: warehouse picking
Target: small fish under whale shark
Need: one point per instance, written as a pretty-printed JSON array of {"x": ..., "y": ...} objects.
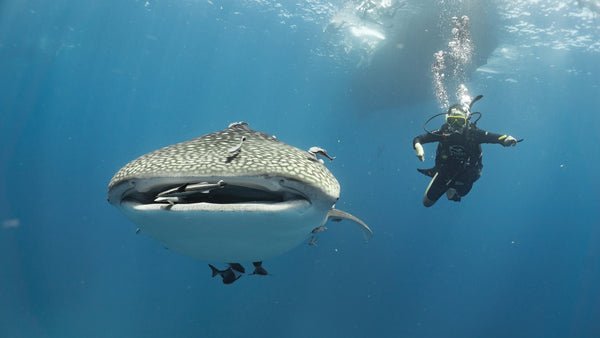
[{"x": 236, "y": 195}]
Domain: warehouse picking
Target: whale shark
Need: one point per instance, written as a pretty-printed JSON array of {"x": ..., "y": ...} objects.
[{"x": 236, "y": 195}]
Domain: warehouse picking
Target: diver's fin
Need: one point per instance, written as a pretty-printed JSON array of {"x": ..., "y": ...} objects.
[
  {"x": 337, "y": 215},
  {"x": 428, "y": 172}
]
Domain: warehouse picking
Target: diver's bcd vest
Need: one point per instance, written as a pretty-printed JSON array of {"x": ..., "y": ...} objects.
[{"x": 465, "y": 153}]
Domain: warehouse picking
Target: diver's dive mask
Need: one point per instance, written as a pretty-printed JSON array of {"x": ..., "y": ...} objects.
[{"x": 456, "y": 117}]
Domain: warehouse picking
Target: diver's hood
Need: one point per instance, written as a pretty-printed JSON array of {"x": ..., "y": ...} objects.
[{"x": 458, "y": 110}]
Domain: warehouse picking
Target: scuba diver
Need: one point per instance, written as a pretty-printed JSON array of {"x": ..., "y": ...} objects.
[{"x": 458, "y": 157}]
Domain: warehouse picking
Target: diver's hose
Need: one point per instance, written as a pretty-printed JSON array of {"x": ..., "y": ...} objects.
[{"x": 427, "y": 122}]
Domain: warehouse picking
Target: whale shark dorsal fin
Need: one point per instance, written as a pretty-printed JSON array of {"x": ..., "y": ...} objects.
[{"x": 338, "y": 215}]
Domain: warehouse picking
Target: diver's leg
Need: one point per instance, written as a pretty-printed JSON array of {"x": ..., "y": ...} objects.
[
  {"x": 464, "y": 185},
  {"x": 463, "y": 190},
  {"x": 436, "y": 188},
  {"x": 453, "y": 195}
]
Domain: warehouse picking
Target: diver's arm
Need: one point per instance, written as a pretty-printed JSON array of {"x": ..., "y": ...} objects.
[
  {"x": 487, "y": 137},
  {"x": 508, "y": 140},
  {"x": 427, "y": 138},
  {"x": 421, "y": 139},
  {"x": 419, "y": 152}
]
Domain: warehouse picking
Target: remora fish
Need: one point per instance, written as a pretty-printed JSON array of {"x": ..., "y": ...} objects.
[{"x": 237, "y": 195}]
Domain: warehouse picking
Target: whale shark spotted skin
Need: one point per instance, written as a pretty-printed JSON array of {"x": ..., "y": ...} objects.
[{"x": 236, "y": 195}]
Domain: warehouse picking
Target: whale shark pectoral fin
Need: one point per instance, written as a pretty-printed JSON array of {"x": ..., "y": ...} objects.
[{"x": 337, "y": 215}]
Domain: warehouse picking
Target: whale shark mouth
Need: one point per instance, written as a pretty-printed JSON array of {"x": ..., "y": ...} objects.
[
  {"x": 218, "y": 192},
  {"x": 222, "y": 219}
]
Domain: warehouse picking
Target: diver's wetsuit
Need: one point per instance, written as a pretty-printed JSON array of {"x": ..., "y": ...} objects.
[{"x": 458, "y": 159}]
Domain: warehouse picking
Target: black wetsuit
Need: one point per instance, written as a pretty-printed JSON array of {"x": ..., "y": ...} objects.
[{"x": 458, "y": 159}]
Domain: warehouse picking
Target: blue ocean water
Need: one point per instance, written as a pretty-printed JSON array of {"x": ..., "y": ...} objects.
[{"x": 87, "y": 86}]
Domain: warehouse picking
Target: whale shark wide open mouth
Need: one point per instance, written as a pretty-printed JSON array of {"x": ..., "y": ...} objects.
[{"x": 216, "y": 191}]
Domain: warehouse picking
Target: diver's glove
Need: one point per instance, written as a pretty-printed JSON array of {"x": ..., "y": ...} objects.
[
  {"x": 509, "y": 141},
  {"x": 419, "y": 151}
]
